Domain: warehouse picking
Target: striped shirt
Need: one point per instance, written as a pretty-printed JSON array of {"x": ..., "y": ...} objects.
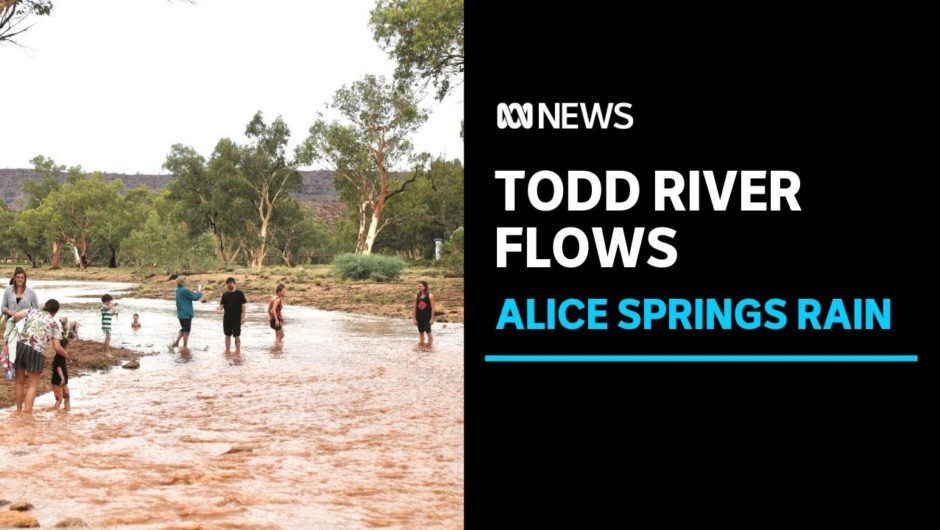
[{"x": 106, "y": 314}]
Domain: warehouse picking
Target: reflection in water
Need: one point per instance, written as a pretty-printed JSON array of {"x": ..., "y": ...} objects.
[
  {"x": 185, "y": 355},
  {"x": 234, "y": 359},
  {"x": 346, "y": 425}
]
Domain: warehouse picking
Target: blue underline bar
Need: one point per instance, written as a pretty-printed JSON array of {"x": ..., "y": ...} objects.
[{"x": 808, "y": 358}]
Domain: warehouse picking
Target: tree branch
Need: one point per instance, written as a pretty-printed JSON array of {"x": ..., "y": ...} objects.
[{"x": 401, "y": 189}]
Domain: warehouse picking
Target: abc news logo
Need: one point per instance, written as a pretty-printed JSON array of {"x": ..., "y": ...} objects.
[{"x": 563, "y": 115}]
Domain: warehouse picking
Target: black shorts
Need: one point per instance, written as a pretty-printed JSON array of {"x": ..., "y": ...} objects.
[
  {"x": 185, "y": 325},
  {"x": 55, "y": 375},
  {"x": 274, "y": 325},
  {"x": 233, "y": 328},
  {"x": 424, "y": 326}
]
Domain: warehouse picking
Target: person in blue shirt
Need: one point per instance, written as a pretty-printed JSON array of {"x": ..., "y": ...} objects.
[{"x": 184, "y": 310}]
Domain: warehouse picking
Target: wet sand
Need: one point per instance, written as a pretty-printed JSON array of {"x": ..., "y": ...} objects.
[
  {"x": 85, "y": 357},
  {"x": 315, "y": 287}
]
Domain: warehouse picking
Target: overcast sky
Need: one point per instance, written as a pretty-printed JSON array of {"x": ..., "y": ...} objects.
[{"x": 111, "y": 84}]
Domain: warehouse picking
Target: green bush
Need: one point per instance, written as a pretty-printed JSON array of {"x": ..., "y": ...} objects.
[
  {"x": 453, "y": 254},
  {"x": 371, "y": 267}
]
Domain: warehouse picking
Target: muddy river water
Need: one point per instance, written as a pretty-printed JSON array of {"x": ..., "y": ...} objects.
[{"x": 351, "y": 424}]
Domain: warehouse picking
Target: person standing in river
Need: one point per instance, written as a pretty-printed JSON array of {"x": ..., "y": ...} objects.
[
  {"x": 184, "y": 310},
  {"x": 39, "y": 331},
  {"x": 424, "y": 312},
  {"x": 17, "y": 297},
  {"x": 60, "y": 377},
  {"x": 274, "y": 313},
  {"x": 233, "y": 304}
]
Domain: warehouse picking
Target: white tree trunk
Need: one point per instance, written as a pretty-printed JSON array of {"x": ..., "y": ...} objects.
[
  {"x": 263, "y": 237},
  {"x": 78, "y": 258},
  {"x": 361, "y": 241},
  {"x": 370, "y": 237}
]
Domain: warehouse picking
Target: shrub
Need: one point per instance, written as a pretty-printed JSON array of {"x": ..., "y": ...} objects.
[
  {"x": 371, "y": 267},
  {"x": 453, "y": 254}
]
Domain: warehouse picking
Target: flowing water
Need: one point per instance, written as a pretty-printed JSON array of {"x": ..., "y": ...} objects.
[{"x": 349, "y": 425}]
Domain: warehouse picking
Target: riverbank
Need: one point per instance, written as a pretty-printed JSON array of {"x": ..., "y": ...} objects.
[
  {"x": 312, "y": 286},
  {"x": 85, "y": 357}
]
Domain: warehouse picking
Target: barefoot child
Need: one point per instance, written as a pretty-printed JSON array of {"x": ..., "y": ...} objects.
[
  {"x": 108, "y": 310},
  {"x": 136, "y": 323},
  {"x": 60, "y": 376}
]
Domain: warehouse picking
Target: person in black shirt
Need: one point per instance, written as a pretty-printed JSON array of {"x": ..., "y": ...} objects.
[
  {"x": 424, "y": 312},
  {"x": 233, "y": 303},
  {"x": 60, "y": 376}
]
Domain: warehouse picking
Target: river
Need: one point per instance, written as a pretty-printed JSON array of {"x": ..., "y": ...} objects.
[{"x": 350, "y": 424}]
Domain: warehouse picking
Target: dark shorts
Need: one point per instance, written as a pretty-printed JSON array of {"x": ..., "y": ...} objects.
[
  {"x": 424, "y": 327},
  {"x": 274, "y": 325},
  {"x": 185, "y": 325},
  {"x": 55, "y": 376},
  {"x": 232, "y": 328},
  {"x": 28, "y": 359}
]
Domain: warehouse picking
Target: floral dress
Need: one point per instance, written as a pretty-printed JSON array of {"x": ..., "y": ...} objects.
[{"x": 37, "y": 330}]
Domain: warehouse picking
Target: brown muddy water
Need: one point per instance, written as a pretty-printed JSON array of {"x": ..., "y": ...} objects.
[{"x": 350, "y": 425}]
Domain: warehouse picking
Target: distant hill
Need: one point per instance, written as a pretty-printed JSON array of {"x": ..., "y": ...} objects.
[{"x": 318, "y": 185}]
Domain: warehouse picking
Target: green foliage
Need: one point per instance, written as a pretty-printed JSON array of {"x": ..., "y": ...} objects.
[
  {"x": 122, "y": 215},
  {"x": 27, "y": 235},
  {"x": 242, "y": 195},
  {"x": 75, "y": 209},
  {"x": 206, "y": 196},
  {"x": 432, "y": 208},
  {"x": 37, "y": 191},
  {"x": 267, "y": 177},
  {"x": 8, "y": 236},
  {"x": 373, "y": 267},
  {"x": 453, "y": 258},
  {"x": 328, "y": 240},
  {"x": 425, "y": 37},
  {"x": 365, "y": 147},
  {"x": 166, "y": 245}
]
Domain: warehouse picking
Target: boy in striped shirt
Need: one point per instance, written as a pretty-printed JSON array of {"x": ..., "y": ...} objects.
[{"x": 107, "y": 311}]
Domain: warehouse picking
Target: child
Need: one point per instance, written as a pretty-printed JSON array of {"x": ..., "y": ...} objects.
[
  {"x": 108, "y": 310},
  {"x": 60, "y": 376},
  {"x": 136, "y": 323}
]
